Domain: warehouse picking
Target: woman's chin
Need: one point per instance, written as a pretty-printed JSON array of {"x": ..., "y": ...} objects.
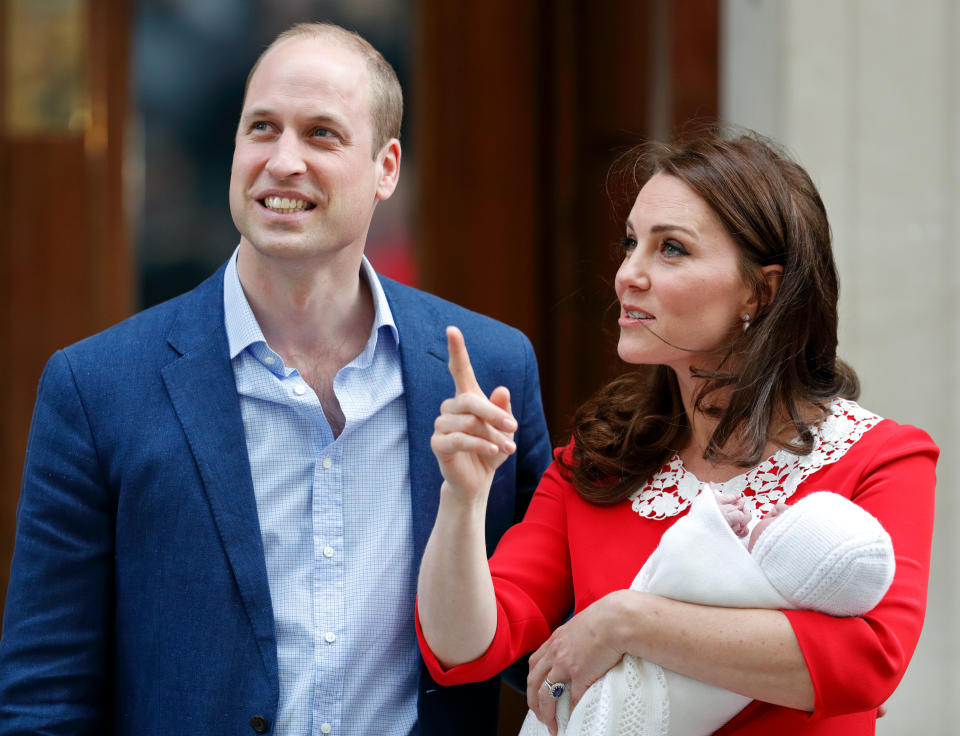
[{"x": 641, "y": 350}]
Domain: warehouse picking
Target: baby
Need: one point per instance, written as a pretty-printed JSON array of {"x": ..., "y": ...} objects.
[{"x": 823, "y": 553}]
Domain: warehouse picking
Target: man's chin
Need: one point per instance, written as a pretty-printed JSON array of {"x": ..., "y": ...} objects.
[{"x": 293, "y": 247}]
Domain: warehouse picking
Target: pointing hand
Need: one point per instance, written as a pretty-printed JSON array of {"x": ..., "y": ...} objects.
[{"x": 473, "y": 434}]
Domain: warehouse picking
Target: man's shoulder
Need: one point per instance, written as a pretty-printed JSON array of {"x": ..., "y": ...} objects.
[
  {"x": 201, "y": 307},
  {"x": 441, "y": 311}
]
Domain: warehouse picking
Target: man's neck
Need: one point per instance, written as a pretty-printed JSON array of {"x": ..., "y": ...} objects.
[
  {"x": 305, "y": 307},
  {"x": 316, "y": 315}
]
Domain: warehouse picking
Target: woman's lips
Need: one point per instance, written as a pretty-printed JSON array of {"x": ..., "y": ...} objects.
[{"x": 632, "y": 316}]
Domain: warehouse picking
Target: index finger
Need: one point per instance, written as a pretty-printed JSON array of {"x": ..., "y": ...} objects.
[{"x": 464, "y": 380}]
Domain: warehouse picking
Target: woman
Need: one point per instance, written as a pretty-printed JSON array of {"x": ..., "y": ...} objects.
[{"x": 728, "y": 295}]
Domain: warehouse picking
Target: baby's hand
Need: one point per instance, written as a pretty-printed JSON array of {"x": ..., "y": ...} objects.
[{"x": 732, "y": 508}]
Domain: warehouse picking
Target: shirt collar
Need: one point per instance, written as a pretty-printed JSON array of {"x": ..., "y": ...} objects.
[{"x": 242, "y": 327}]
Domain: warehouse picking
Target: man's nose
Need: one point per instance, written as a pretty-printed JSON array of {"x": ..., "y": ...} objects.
[{"x": 286, "y": 159}]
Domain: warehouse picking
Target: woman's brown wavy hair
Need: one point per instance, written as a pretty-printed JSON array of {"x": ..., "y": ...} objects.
[{"x": 785, "y": 362}]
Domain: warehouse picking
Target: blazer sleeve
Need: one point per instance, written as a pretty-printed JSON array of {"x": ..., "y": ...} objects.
[
  {"x": 533, "y": 440},
  {"x": 54, "y": 650},
  {"x": 856, "y": 663}
]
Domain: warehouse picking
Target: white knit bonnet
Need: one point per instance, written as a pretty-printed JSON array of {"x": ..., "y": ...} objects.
[{"x": 827, "y": 554}]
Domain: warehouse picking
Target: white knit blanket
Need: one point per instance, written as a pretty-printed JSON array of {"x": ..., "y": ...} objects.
[{"x": 699, "y": 560}]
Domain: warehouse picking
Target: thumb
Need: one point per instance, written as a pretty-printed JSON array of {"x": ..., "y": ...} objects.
[{"x": 501, "y": 398}]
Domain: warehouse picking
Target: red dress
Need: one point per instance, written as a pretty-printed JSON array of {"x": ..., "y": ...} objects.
[{"x": 568, "y": 552}]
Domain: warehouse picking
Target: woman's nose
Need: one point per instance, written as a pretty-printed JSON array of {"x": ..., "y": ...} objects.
[
  {"x": 286, "y": 159},
  {"x": 632, "y": 274}
]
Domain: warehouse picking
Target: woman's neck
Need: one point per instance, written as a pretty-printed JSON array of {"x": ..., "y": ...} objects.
[{"x": 702, "y": 427}]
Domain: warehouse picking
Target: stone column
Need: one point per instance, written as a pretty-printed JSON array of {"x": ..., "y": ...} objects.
[{"x": 866, "y": 95}]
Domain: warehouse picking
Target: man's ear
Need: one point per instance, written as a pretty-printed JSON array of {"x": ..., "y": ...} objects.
[{"x": 388, "y": 161}]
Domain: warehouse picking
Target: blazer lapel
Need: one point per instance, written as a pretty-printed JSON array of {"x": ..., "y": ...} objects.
[
  {"x": 426, "y": 383},
  {"x": 204, "y": 394}
]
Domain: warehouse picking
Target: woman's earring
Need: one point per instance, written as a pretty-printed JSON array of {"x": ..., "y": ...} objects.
[{"x": 746, "y": 321}]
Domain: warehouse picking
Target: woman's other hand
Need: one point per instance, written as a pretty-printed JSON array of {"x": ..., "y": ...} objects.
[
  {"x": 576, "y": 654},
  {"x": 473, "y": 434}
]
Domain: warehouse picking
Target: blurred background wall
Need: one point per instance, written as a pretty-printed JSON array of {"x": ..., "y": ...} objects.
[
  {"x": 866, "y": 93},
  {"x": 117, "y": 126}
]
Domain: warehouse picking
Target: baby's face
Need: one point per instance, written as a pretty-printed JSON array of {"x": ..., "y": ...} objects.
[{"x": 765, "y": 522}]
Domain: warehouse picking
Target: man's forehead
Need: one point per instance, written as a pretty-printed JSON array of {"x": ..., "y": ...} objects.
[
  {"x": 309, "y": 70},
  {"x": 312, "y": 58}
]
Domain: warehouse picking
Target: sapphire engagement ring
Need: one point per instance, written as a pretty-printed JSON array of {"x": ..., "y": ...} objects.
[{"x": 554, "y": 688}]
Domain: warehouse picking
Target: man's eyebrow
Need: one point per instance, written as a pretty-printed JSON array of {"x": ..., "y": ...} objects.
[
  {"x": 265, "y": 112},
  {"x": 257, "y": 112},
  {"x": 324, "y": 118}
]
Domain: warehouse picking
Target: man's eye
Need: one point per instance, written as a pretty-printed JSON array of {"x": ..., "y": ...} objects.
[
  {"x": 628, "y": 244},
  {"x": 322, "y": 133},
  {"x": 261, "y": 126}
]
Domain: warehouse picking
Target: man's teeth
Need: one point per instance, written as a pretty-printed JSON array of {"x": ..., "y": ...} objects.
[
  {"x": 633, "y": 314},
  {"x": 283, "y": 204}
]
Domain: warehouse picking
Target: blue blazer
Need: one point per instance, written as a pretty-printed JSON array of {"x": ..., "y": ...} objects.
[{"x": 138, "y": 600}]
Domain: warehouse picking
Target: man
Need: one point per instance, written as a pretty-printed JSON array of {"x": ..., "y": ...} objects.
[{"x": 226, "y": 497}]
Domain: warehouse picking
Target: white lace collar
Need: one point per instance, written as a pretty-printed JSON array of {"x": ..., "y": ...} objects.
[{"x": 673, "y": 487}]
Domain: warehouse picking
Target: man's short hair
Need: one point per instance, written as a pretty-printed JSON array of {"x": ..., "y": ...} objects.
[{"x": 386, "y": 97}]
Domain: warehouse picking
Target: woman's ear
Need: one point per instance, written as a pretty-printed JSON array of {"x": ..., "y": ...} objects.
[
  {"x": 769, "y": 281},
  {"x": 771, "y": 275}
]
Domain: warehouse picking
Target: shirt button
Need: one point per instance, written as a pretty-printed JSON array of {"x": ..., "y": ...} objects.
[
  {"x": 327, "y": 463},
  {"x": 330, "y": 637},
  {"x": 259, "y": 724},
  {"x": 299, "y": 390},
  {"x": 326, "y": 728},
  {"x": 328, "y": 551},
  {"x": 269, "y": 360}
]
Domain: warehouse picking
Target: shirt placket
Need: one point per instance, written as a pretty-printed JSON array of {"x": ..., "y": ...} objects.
[{"x": 328, "y": 590}]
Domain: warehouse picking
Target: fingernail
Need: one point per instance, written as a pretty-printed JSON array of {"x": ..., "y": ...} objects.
[{"x": 509, "y": 424}]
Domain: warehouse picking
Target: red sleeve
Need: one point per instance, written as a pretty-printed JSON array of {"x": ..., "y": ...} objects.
[
  {"x": 532, "y": 581},
  {"x": 856, "y": 663}
]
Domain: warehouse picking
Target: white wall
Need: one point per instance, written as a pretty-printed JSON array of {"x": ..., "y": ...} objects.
[{"x": 866, "y": 94}]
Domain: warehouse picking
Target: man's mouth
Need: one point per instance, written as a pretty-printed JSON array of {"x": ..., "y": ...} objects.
[{"x": 286, "y": 205}]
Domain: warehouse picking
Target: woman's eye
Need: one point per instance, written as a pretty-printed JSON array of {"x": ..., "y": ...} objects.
[
  {"x": 672, "y": 248},
  {"x": 628, "y": 244}
]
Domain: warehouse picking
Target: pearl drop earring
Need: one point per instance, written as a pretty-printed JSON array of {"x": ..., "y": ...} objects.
[{"x": 746, "y": 322}]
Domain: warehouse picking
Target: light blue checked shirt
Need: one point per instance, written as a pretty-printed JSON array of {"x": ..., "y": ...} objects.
[{"x": 337, "y": 530}]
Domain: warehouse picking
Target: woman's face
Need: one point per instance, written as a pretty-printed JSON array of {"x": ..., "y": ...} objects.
[{"x": 681, "y": 289}]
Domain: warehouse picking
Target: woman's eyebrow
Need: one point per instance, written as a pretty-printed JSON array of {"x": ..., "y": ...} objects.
[{"x": 669, "y": 227}]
